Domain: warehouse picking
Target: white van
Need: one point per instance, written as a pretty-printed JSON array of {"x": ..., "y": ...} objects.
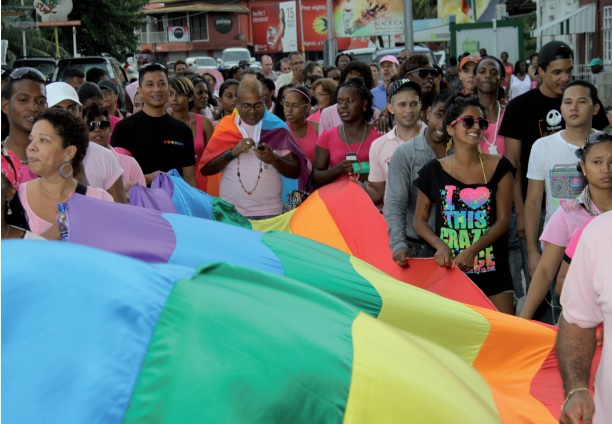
[{"x": 233, "y": 56}]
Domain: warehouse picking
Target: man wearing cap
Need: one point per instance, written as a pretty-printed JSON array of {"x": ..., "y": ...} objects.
[
  {"x": 536, "y": 114},
  {"x": 99, "y": 168},
  {"x": 157, "y": 141},
  {"x": 405, "y": 105},
  {"x": 596, "y": 66},
  {"x": 388, "y": 69},
  {"x": 244, "y": 64},
  {"x": 466, "y": 73},
  {"x": 109, "y": 104}
]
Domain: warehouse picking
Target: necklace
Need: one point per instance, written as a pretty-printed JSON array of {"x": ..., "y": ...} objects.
[
  {"x": 360, "y": 144},
  {"x": 256, "y": 182},
  {"x": 492, "y": 146},
  {"x": 484, "y": 174},
  {"x": 6, "y": 142}
]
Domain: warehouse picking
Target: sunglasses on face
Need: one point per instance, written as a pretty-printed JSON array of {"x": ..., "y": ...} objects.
[
  {"x": 29, "y": 72},
  {"x": 424, "y": 72},
  {"x": 468, "y": 122},
  {"x": 102, "y": 125}
]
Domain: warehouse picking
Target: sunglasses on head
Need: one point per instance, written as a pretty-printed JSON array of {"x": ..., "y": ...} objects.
[
  {"x": 468, "y": 122},
  {"x": 597, "y": 137},
  {"x": 424, "y": 72},
  {"x": 24, "y": 72},
  {"x": 103, "y": 125},
  {"x": 154, "y": 67}
]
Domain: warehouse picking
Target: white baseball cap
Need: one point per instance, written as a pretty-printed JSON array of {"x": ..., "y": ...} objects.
[{"x": 59, "y": 91}]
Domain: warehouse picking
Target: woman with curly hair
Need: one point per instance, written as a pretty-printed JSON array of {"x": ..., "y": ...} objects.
[
  {"x": 472, "y": 194},
  {"x": 58, "y": 143},
  {"x": 345, "y": 150}
]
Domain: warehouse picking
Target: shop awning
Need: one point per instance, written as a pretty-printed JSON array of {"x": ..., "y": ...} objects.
[
  {"x": 579, "y": 21},
  {"x": 157, "y": 8}
]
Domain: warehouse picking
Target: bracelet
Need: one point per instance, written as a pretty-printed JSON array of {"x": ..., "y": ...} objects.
[{"x": 572, "y": 392}]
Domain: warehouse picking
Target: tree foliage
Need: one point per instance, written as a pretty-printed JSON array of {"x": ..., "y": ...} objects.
[{"x": 107, "y": 26}]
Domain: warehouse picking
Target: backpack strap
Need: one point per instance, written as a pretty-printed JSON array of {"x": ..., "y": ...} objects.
[{"x": 81, "y": 188}]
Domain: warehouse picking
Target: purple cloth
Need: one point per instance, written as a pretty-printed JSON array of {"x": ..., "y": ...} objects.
[
  {"x": 152, "y": 198},
  {"x": 120, "y": 228}
]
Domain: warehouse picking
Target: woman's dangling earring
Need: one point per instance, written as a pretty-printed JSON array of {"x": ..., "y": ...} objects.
[
  {"x": 66, "y": 173},
  {"x": 8, "y": 208},
  {"x": 449, "y": 145}
]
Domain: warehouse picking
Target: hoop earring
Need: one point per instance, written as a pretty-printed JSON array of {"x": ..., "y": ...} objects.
[
  {"x": 8, "y": 209},
  {"x": 63, "y": 173}
]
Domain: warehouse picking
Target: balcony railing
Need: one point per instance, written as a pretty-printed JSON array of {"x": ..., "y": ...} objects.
[{"x": 154, "y": 37}]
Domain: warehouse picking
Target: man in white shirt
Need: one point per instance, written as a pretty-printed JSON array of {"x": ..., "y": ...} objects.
[
  {"x": 296, "y": 61},
  {"x": 552, "y": 163}
]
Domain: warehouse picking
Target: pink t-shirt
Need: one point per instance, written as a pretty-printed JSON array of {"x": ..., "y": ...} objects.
[
  {"x": 489, "y": 143},
  {"x": 563, "y": 224},
  {"x": 587, "y": 301},
  {"x": 381, "y": 151},
  {"x": 26, "y": 175},
  {"x": 132, "y": 173},
  {"x": 265, "y": 186},
  {"x": 308, "y": 143},
  {"x": 102, "y": 168},
  {"x": 571, "y": 247},
  {"x": 337, "y": 148},
  {"x": 39, "y": 225}
]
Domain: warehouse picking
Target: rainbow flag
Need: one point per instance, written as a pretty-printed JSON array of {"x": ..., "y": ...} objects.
[
  {"x": 111, "y": 339},
  {"x": 274, "y": 133}
]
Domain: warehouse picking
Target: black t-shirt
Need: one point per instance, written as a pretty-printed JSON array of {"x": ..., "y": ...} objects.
[
  {"x": 157, "y": 144},
  {"x": 531, "y": 116},
  {"x": 466, "y": 212}
]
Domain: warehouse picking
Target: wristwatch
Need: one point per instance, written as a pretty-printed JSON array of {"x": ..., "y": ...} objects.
[{"x": 228, "y": 156}]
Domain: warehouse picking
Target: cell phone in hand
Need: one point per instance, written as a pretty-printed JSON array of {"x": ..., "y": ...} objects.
[{"x": 351, "y": 156}]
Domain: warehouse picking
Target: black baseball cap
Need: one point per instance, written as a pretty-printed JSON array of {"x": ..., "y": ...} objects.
[
  {"x": 402, "y": 83},
  {"x": 554, "y": 50},
  {"x": 244, "y": 62},
  {"x": 108, "y": 85}
]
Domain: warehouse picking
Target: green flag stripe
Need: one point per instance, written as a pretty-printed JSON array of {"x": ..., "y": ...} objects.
[
  {"x": 325, "y": 268},
  {"x": 235, "y": 345}
]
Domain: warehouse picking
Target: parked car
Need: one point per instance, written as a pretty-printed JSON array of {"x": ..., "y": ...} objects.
[
  {"x": 110, "y": 64},
  {"x": 417, "y": 49},
  {"x": 233, "y": 56},
  {"x": 201, "y": 62},
  {"x": 46, "y": 65}
]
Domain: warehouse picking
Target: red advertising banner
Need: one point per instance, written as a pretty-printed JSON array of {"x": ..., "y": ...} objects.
[
  {"x": 314, "y": 21},
  {"x": 278, "y": 28},
  {"x": 274, "y": 27}
]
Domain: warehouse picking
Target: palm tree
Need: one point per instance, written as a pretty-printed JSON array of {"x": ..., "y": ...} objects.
[{"x": 38, "y": 43}]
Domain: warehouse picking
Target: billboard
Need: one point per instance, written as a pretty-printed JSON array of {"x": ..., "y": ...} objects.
[
  {"x": 468, "y": 11},
  {"x": 365, "y": 18},
  {"x": 274, "y": 27}
]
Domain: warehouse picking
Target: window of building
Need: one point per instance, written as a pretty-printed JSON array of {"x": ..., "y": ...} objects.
[
  {"x": 198, "y": 26},
  {"x": 607, "y": 34}
]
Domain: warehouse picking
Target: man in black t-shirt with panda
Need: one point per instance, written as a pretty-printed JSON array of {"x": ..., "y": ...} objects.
[
  {"x": 537, "y": 113},
  {"x": 155, "y": 139}
]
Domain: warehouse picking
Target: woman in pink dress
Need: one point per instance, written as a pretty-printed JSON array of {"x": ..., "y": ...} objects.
[
  {"x": 345, "y": 150},
  {"x": 297, "y": 107}
]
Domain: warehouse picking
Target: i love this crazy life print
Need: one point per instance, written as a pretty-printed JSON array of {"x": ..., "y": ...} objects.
[{"x": 466, "y": 218}]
